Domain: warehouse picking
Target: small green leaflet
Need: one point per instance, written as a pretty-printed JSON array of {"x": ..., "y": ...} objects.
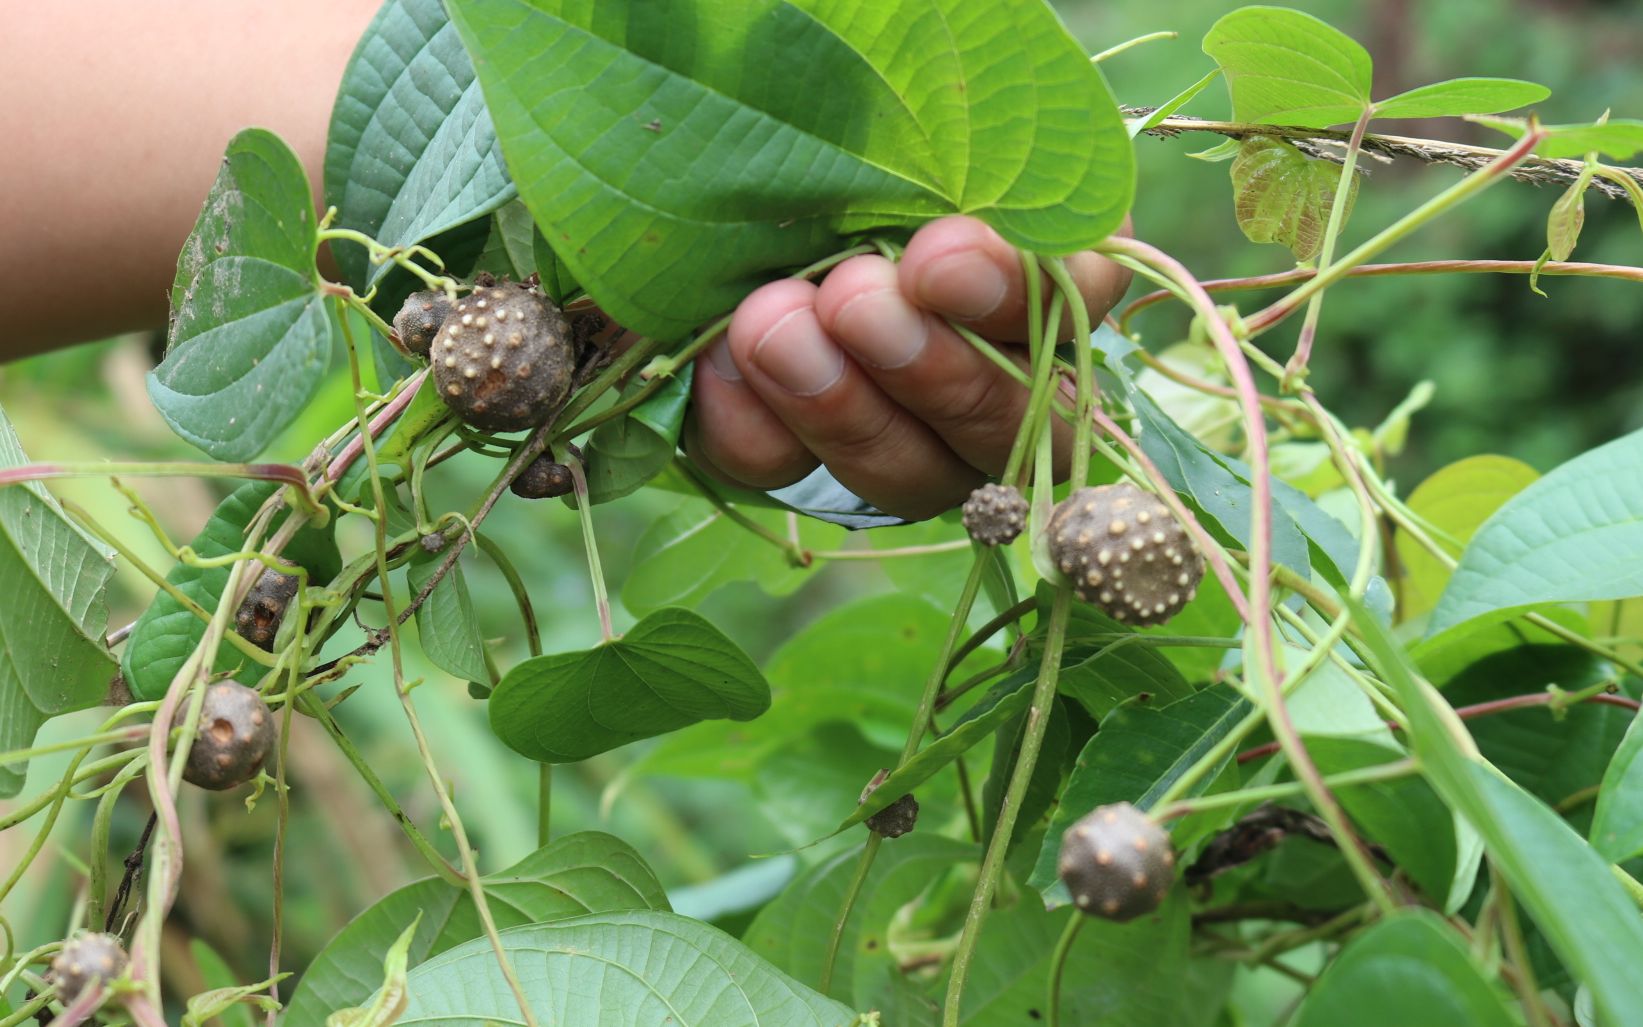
[
  {"x": 1285, "y": 67},
  {"x": 251, "y": 333},
  {"x": 1619, "y": 138},
  {"x": 1281, "y": 195},
  {"x": 671, "y": 670},
  {"x": 770, "y": 133}
]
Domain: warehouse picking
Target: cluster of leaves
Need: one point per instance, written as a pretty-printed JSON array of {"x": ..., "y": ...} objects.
[{"x": 604, "y": 150}]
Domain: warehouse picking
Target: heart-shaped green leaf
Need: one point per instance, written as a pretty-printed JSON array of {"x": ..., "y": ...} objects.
[
  {"x": 167, "y": 632},
  {"x": 412, "y": 151},
  {"x": 769, "y": 133},
  {"x": 1284, "y": 67},
  {"x": 54, "y": 581},
  {"x": 1281, "y": 195},
  {"x": 643, "y": 967},
  {"x": 251, "y": 334},
  {"x": 578, "y": 874},
  {"x": 671, "y": 670},
  {"x": 1459, "y": 96},
  {"x": 1576, "y": 534}
]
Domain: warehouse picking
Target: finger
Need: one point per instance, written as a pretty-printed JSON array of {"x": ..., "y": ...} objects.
[
  {"x": 732, "y": 434},
  {"x": 960, "y": 268},
  {"x": 924, "y": 366},
  {"x": 873, "y": 447}
]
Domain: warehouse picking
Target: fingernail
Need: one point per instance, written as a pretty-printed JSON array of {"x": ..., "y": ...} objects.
[
  {"x": 883, "y": 329},
  {"x": 965, "y": 285},
  {"x": 718, "y": 357},
  {"x": 798, "y": 356}
]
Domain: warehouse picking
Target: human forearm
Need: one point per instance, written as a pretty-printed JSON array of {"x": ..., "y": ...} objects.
[{"x": 116, "y": 118}]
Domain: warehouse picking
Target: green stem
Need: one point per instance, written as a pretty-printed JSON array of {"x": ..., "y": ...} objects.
[
  {"x": 1296, "y": 368},
  {"x": 544, "y": 802},
  {"x": 1082, "y": 427},
  {"x": 1058, "y": 964},
  {"x": 470, "y": 867},
  {"x": 311, "y": 705},
  {"x": 596, "y": 573},
  {"x": 1032, "y": 739},
  {"x": 863, "y": 866},
  {"x": 1284, "y": 790},
  {"x": 516, "y": 584}
]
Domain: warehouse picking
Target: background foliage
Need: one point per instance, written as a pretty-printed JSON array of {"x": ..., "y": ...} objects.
[{"x": 1509, "y": 379}]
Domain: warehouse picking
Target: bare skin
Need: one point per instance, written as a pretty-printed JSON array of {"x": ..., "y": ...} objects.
[{"x": 120, "y": 112}]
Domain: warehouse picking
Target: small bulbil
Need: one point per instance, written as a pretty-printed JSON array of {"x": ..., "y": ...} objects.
[
  {"x": 420, "y": 319},
  {"x": 1116, "y": 862},
  {"x": 235, "y": 738},
  {"x": 259, "y": 616},
  {"x": 504, "y": 359},
  {"x": 85, "y": 961},
  {"x": 995, "y": 514},
  {"x": 1124, "y": 551},
  {"x": 543, "y": 478},
  {"x": 896, "y": 819}
]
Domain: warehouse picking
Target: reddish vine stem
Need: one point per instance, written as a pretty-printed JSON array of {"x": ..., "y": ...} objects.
[
  {"x": 386, "y": 416},
  {"x": 1259, "y": 620},
  {"x": 1553, "y": 268},
  {"x": 1337, "y": 217},
  {"x": 1476, "y": 710}
]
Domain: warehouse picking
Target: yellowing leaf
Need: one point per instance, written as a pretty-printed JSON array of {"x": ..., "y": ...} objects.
[{"x": 1281, "y": 195}]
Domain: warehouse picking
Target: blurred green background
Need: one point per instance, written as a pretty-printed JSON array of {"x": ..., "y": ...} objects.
[{"x": 1539, "y": 379}]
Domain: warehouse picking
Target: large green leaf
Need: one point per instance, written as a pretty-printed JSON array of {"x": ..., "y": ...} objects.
[
  {"x": 251, "y": 332},
  {"x": 672, "y": 669},
  {"x": 1284, "y": 67},
  {"x": 412, "y": 151},
  {"x": 1455, "y": 500},
  {"x": 617, "y": 970},
  {"x": 1575, "y": 534},
  {"x": 576, "y": 875},
  {"x": 1139, "y": 752},
  {"x": 1118, "y": 975},
  {"x": 1617, "y": 825},
  {"x": 51, "y": 620},
  {"x": 1410, "y": 969},
  {"x": 794, "y": 931},
  {"x": 1568, "y": 890},
  {"x": 167, "y": 632},
  {"x": 1280, "y": 195},
  {"x": 767, "y": 133}
]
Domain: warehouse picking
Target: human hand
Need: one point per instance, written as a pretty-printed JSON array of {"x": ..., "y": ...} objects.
[{"x": 863, "y": 374}]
